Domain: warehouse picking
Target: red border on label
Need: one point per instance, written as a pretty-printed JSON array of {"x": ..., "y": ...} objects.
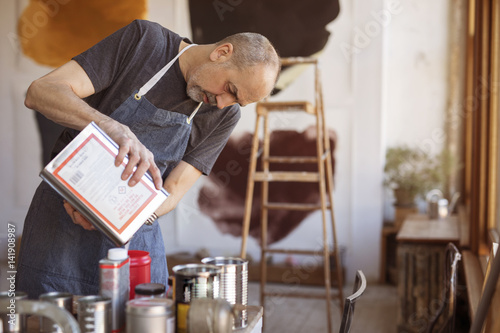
[{"x": 77, "y": 194}]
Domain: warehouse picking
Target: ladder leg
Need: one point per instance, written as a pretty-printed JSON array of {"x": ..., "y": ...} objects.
[
  {"x": 329, "y": 183},
  {"x": 250, "y": 188},
  {"x": 326, "y": 250},
  {"x": 264, "y": 214},
  {"x": 336, "y": 252}
]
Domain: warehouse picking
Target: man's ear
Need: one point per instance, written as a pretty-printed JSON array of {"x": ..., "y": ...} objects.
[{"x": 222, "y": 52}]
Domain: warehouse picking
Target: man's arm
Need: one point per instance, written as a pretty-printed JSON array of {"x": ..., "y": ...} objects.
[
  {"x": 58, "y": 96},
  {"x": 178, "y": 182}
]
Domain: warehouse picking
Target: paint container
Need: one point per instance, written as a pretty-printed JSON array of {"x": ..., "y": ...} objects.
[
  {"x": 61, "y": 300},
  {"x": 140, "y": 269},
  {"x": 150, "y": 315},
  {"x": 114, "y": 283},
  {"x": 94, "y": 314},
  {"x": 233, "y": 285},
  {"x": 193, "y": 281},
  {"x": 12, "y": 321}
]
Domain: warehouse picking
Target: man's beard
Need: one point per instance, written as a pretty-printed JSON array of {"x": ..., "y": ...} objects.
[{"x": 196, "y": 94}]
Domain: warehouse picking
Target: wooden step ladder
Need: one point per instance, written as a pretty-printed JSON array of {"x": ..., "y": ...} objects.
[{"x": 323, "y": 176}]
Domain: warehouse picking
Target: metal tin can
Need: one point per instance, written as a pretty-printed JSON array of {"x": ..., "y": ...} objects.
[
  {"x": 12, "y": 321},
  {"x": 114, "y": 283},
  {"x": 61, "y": 300},
  {"x": 94, "y": 314},
  {"x": 233, "y": 285},
  {"x": 150, "y": 315},
  {"x": 193, "y": 281}
]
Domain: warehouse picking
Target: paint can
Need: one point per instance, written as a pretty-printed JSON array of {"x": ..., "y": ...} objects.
[
  {"x": 94, "y": 314},
  {"x": 233, "y": 285},
  {"x": 61, "y": 300},
  {"x": 150, "y": 315},
  {"x": 193, "y": 281},
  {"x": 12, "y": 321}
]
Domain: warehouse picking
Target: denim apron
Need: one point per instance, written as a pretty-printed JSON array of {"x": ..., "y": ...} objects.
[{"x": 58, "y": 255}]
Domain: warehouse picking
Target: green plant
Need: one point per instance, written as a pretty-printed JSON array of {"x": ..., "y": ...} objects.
[{"x": 414, "y": 171}]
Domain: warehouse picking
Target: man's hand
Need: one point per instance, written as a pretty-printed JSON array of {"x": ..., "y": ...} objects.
[
  {"x": 138, "y": 155},
  {"x": 77, "y": 217},
  {"x": 58, "y": 96}
]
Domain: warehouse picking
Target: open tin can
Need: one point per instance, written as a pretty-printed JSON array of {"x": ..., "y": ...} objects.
[
  {"x": 233, "y": 285},
  {"x": 193, "y": 281}
]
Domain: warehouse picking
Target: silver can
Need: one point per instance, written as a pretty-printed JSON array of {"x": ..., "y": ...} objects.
[
  {"x": 94, "y": 314},
  {"x": 193, "y": 281},
  {"x": 13, "y": 321},
  {"x": 150, "y": 315},
  {"x": 233, "y": 285},
  {"x": 61, "y": 300}
]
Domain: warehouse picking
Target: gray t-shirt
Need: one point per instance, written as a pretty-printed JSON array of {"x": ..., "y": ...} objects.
[{"x": 121, "y": 63}]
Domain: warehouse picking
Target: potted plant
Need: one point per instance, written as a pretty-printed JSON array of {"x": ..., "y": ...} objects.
[{"x": 411, "y": 172}]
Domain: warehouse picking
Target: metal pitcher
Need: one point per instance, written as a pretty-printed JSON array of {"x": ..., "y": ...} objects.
[{"x": 437, "y": 206}]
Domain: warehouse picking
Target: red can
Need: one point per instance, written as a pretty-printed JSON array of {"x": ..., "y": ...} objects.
[{"x": 140, "y": 269}]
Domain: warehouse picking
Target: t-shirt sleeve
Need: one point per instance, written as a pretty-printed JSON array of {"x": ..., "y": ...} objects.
[
  {"x": 104, "y": 61},
  {"x": 203, "y": 156}
]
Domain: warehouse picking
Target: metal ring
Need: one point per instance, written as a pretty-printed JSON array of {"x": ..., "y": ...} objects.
[
  {"x": 137, "y": 97},
  {"x": 151, "y": 219}
]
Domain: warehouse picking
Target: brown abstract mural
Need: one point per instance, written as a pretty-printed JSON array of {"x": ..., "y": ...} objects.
[{"x": 223, "y": 196}]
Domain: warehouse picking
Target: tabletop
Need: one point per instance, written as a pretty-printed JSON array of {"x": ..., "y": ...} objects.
[{"x": 419, "y": 228}]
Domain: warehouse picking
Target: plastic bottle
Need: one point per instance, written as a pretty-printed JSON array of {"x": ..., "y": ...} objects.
[
  {"x": 140, "y": 269},
  {"x": 115, "y": 284}
]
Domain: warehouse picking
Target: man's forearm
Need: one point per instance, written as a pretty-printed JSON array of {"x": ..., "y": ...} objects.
[
  {"x": 180, "y": 180},
  {"x": 58, "y": 102}
]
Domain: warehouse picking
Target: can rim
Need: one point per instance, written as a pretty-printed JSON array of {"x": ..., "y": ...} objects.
[
  {"x": 95, "y": 299},
  {"x": 55, "y": 295},
  {"x": 201, "y": 270},
  {"x": 225, "y": 261}
]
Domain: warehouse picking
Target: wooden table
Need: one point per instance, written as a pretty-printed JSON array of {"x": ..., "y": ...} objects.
[{"x": 421, "y": 264}]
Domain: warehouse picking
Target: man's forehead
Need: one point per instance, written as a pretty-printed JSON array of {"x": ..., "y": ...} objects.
[{"x": 254, "y": 85}]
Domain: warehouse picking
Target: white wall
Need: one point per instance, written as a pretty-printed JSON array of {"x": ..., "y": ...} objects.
[{"x": 389, "y": 90}]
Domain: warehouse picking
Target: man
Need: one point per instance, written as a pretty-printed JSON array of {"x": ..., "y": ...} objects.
[{"x": 141, "y": 86}]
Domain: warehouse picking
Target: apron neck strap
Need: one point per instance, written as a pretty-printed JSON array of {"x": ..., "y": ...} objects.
[
  {"x": 150, "y": 84},
  {"x": 194, "y": 113}
]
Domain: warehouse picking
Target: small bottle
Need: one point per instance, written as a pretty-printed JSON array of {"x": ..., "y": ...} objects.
[
  {"x": 150, "y": 290},
  {"x": 115, "y": 284}
]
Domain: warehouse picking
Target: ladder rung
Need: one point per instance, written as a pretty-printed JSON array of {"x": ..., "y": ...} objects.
[
  {"x": 294, "y": 206},
  {"x": 286, "y": 176},
  {"x": 263, "y": 107},
  {"x": 292, "y": 159},
  {"x": 301, "y": 295},
  {"x": 292, "y": 251}
]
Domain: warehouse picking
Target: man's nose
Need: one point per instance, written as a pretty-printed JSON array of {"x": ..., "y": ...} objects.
[{"x": 224, "y": 100}]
